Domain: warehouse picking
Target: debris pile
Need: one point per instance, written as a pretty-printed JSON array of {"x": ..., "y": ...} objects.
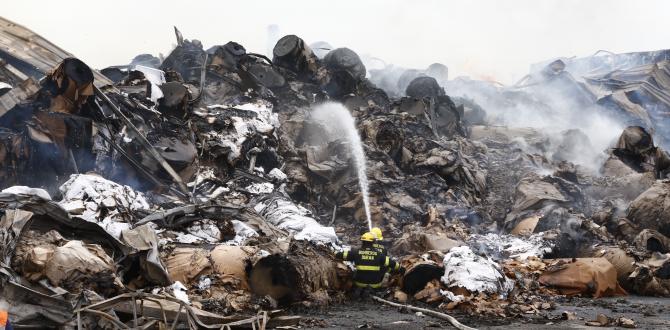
[{"x": 201, "y": 190}]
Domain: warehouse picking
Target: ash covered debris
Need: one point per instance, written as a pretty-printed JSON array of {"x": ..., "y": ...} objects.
[{"x": 203, "y": 188}]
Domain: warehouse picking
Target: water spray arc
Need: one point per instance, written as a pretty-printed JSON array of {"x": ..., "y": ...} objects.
[{"x": 338, "y": 121}]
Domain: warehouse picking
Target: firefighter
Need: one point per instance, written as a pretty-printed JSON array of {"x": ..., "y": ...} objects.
[
  {"x": 378, "y": 240},
  {"x": 370, "y": 264}
]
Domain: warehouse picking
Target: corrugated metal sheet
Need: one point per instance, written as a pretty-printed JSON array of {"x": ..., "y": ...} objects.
[{"x": 653, "y": 78}]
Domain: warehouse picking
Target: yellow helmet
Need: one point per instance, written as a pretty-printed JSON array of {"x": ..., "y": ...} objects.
[
  {"x": 377, "y": 233},
  {"x": 368, "y": 237}
]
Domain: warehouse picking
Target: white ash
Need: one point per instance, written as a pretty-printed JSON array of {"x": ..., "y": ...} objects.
[
  {"x": 23, "y": 190},
  {"x": 261, "y": 188},
  {"x": 278, "y": 175},
  {"x": 242, "y": 233},
  {"x": 86, "y": 196},
  {"x": 504, "y": 246},
  {"x": 465, "y": 269},
  {"x": 286, "y": 215}
]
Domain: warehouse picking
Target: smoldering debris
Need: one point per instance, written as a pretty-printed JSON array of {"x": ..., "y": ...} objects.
[{"x": 203, "y": 186}]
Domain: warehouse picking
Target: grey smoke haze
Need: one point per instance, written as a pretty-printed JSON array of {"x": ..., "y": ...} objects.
[
  {"x": 485, "y": 39},
  {"x": 552, "y": 111}
]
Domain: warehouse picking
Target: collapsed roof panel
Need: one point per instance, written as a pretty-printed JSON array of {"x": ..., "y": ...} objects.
[{"x": 603, "y": 62}]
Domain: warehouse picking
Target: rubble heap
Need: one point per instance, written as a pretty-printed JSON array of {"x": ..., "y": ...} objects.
[{"x": 200, "y": 186}]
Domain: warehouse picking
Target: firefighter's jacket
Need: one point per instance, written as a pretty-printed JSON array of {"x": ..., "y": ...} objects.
[{"x": 371, "y": 265}]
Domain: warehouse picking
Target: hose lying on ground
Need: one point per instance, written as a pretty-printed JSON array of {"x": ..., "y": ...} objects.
[{"x": 439, "y": 315}]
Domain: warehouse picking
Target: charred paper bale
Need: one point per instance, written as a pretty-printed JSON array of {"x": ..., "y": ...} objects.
[
  {"x": 137, "y": 84},
  {"x": 327, "y": 163},
  {"x": 227, "y": 56},
  {"x": 305, "y": 271},
  {"x": 54, "y": 145},
  {"x": 651, "y": 210},
  {"x": 70, "y": 85},
  {"x": 188, "y": 59},
  {"x": 424, "y": 87},
  {"x": 635, "y": 140},
  {"x": 221, "y": 91},
  {"x": 267, "y": 76},
  {"x": 411, "y": 105},
  {"x": 636, "y": 152},
  {"x": 375, "y": 97},
  {"x": 419, "y": 274},
  {"x": 555, "y": 217},
  {"x": 539, "y": 196},
  {"x": 344, "y": 70},
  {"x": 299, "y": 186},
  {"x": 339, "y": 84},
  {"x": 645, "y": 281},
  {"x": 446, "y": 117},
  {"x": 347, "y": 60},
  {"x": 652, "y": 240},
  {"x": 366, "y": 96},
  {"x": 422, "y": 269},
  {"x": 175, "y": 99},
  {"x": 292, "y": 53},
  {"x": 230, "y": 133},
  {"x": 572, "y": 235},
  {"x": 386, "y": 136},
  {"x": 33, "y": 251},
  {"x": 12, "y": 151},
  {"x": 473, "y": 114}
]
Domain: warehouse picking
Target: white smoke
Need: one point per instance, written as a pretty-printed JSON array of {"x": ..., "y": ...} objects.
[{"x": 553, "y": 111}]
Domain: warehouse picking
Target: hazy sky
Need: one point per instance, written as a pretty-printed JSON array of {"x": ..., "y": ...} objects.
[{"x": 479, "y": 38}]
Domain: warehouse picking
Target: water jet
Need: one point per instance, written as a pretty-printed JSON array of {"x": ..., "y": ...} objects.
[{"x": 338, "y": 121}]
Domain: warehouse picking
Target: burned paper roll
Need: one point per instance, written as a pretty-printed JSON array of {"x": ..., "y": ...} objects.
[{"x": 292, "y": 53}]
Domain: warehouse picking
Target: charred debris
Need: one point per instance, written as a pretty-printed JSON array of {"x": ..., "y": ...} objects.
[{"x": 195, "y": 190}]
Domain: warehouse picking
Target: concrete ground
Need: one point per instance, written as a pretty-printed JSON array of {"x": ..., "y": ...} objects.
[{"x": 647, "y": 312}]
